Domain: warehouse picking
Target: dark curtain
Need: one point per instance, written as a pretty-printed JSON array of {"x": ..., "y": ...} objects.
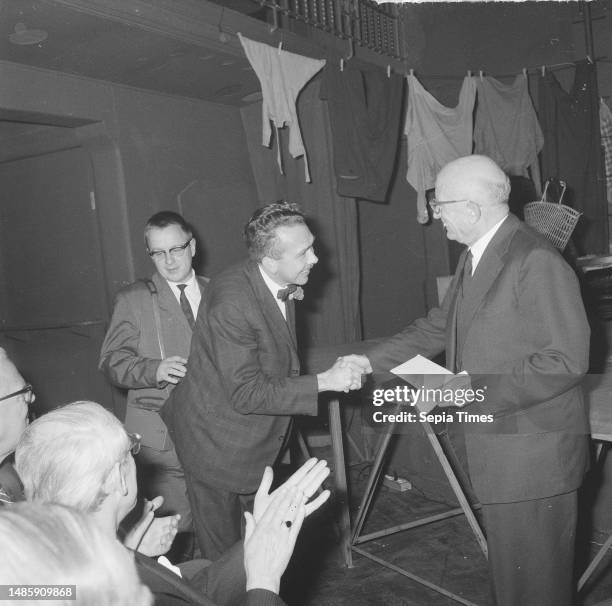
[
  {"x": 329, "y": 313},
  {"x": 570, "y": 123}
]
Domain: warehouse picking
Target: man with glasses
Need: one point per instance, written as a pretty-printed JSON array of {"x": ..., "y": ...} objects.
[
  {"x": 146, "y": 347},
  {"x": 79, "y": 455},
  {"x": 15, "y": 397},
  {"x": 514, "y": 320}
]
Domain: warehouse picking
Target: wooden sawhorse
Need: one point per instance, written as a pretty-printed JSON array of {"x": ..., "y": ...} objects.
[{"x": 351, "y": 536}]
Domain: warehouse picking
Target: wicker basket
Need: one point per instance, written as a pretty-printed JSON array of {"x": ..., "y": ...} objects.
[{"x": 555, "y": 221}]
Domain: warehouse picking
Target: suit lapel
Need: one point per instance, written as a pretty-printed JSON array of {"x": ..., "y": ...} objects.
[
  {"x": 269, "y": 306},
  {"x": 491, "y": 263},
  {"x": 451, "y": 347},
  {"x": 168, "y": 302},
  {"x": 165, "y": 297},
  {"x": 290, "y": 306},
  {"x": 202, "y": 283}
]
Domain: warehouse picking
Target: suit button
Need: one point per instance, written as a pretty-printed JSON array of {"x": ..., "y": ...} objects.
[
  {"x": 281, "y": 438},
  {"x": 295, "y": 372}
]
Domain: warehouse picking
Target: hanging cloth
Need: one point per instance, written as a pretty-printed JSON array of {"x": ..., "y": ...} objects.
[
  {"x": 436, "y": 135},
  {"x": 570, "y": 123},
  {"x": 506, "y": 127},
  {"x": 605, "y": 131},
  {"x": 364, "y": 109},
  {"x": 282, "y": 75}
]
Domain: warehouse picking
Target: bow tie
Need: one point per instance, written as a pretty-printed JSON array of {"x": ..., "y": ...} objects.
[{"x": 292, "y": 291}]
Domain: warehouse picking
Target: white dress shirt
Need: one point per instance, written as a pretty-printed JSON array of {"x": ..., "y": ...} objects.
[
  {"x": 479, "y": 246},
  {"x": 192, "y": 292},
  {"x": 274, "y": 288}
]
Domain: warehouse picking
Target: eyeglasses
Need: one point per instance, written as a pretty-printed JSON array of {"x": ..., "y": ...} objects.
[
  {"x": 435, "y": 204},
  {"x": 135, "y": 442},
  {"x": 175, "y": 251},
  {"x": 26, "y": 390}
]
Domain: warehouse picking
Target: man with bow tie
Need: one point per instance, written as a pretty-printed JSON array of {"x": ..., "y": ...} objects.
[{"x": 231, "y": 414}]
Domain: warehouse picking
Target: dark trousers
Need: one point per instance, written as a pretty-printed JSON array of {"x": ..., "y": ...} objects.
[
  {"x": 217, "y": 516},
  {"x": 531, "y": 550},
  {"x": 160, "y": 473},
  {"x": 531, "y": 543}
]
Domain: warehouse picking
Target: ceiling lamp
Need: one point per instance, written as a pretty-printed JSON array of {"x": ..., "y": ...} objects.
[{"x": 24, "y": 36}]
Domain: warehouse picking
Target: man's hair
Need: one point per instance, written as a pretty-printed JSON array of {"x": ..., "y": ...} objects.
[
  {"x": 165, "y": 218},
  {"x": 260, "y": 231},
  {"x": 496, "y": 192},
  {"x": 65, "y": 455},
  {"x": 51, "y": 545}
]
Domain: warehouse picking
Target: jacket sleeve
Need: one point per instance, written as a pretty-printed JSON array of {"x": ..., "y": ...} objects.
[
  {"x": 120, "y": 358},
  {"x": 224, "y": 582},
  {"x": 263, "y": 597},
  {"x": 235, "y": 346}
]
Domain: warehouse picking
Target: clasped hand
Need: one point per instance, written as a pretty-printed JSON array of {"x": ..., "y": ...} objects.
[{"x": 346, "y": 374}]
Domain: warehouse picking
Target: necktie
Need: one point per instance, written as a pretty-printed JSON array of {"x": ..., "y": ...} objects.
[
  {"x": 185, "y": 305},
  {"x": 467, "y": 272},
  {"x": 460, "y": 328},
  {"x": 283, "y": 293}
]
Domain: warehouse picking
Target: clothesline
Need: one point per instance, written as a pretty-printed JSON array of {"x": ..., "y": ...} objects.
[
  {"x": 528, "y": 70},
  {"x": 344, "y": 61}
]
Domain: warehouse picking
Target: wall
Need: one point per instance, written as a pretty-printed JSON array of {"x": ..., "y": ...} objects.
[
  {"x": 145, "y": 149},
  {"x": 399, "y": 258},
  {"x": 165, "y": 145}
]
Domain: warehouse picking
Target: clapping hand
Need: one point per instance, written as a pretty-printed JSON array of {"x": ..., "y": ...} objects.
[
  {"x": 152, "y": 536},
  {"x": 269, "y": 542},
  {"x": 307, "y": 479}
]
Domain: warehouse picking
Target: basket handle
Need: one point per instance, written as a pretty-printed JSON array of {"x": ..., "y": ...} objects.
[
  {"x": 563, "y": 184},
  {"x": 545, "y": 190}
]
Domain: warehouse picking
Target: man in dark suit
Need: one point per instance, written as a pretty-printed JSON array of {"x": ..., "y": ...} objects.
[
  {"x": 512, "y": 318},
  {"x": 231, "y": 415},
  {"x": 146, "y": 347}
]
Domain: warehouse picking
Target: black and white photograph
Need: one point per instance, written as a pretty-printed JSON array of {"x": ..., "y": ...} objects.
[{"x": 305, "y": 302}]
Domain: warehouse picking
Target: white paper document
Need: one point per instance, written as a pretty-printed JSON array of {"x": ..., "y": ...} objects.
[{"x": 428, "y": 380}]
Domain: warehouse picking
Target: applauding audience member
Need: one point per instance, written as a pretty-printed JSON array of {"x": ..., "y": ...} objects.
[
  {"x": 80, "y": 455},
  {"x": 53, "y": 548}
]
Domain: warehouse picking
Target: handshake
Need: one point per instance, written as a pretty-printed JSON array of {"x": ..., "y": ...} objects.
[{"x": 346, "y": 374}]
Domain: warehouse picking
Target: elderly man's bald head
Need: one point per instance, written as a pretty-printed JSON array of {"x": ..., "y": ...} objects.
[
  {"x": 14, "y": 410},
  {"x": 472, "y": 197},
  {"x": 475, "y": 178}
]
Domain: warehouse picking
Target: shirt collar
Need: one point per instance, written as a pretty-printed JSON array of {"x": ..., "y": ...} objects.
[
  {"x": 477, "y": 249},
  {"x": 273, "y": 287},
  {"x": 190, "y": 281}
]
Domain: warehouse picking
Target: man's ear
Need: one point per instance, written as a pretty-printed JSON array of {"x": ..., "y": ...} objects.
[
  {"x": 116, "y": 480},
  {"x": 192, "y": 246},
  {"x": 270, "y": 265},
  {"x": 474, "y": 211}
]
